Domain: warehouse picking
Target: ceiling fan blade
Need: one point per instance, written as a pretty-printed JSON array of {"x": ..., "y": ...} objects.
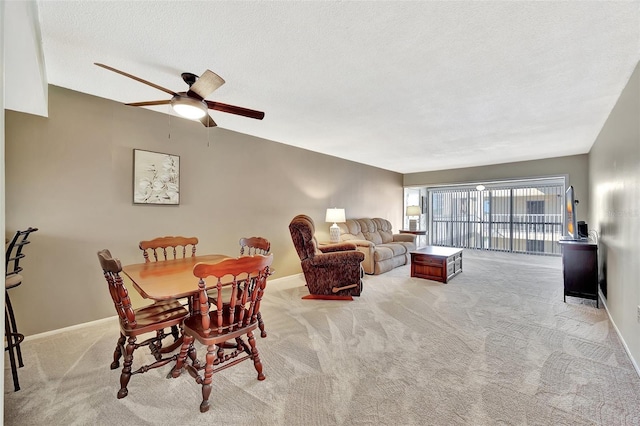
[
  {"x": 150, "y": 103},
  {"x": 208, "y": 121},
  {"x": 205, "y": 84},
  {"x": 218, "y": 106},
  {"x": 171, "y": 92}
]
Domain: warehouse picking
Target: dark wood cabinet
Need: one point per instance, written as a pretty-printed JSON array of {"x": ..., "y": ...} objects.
[{"x": 580, "y": 269}]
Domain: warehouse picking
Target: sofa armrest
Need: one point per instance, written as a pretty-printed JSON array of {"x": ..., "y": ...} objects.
[
  {"x": 329, "y": 248},
  {"x": 362, "y": 243},
  {"x": 409, "y": 238}
]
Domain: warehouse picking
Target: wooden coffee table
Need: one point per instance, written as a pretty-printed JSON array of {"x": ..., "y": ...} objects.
[{"x": 436, "y": 263}]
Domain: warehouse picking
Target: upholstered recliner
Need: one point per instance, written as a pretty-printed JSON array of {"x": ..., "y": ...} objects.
[{"x": 332, "y": 269}]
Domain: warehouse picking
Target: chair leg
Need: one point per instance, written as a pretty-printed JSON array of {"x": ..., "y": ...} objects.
[
  {"x": 161, "y": 335},
  {"x": 175, "y": 333},
  {"x": 255, "y": 355},
  {"x": 117, "y": 353},
  {"x": 263, "y": 333},
  {"x": 126, "y": 369},
  {"x": 12, "y": 360},
  {"x": 194, "y": 358},
  {"x": 208, "y": 377},
  {"x": 241, "y": 345},
  {"x": 14, "y": 328},
  {"x": 155, "y": 346},
  {"x": 185, "y": 349}
]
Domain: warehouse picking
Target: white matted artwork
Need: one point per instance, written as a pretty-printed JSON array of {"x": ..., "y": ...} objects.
[{"x": 156, "y": 178}]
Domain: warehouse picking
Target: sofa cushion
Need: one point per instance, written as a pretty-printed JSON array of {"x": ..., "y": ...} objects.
[
  {"x": 398, "y": 249},
  {"x": 388, "y": 264},
  {"x": 374, "y": 237},
  {"x": 384, "y": 229},
  {"x": 351, "y": 226},
  {"x": 409, "y": 246},
  {"x": 370, "y": 230},
  {"x": 382, "y": 253},
  {"x": 351, "y": 230}
]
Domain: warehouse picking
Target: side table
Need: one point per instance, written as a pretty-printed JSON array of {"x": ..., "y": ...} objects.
[{"x": 418, "y": 232}]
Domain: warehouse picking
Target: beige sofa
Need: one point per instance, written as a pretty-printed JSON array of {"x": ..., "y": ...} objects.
[{"x": 383, "y": 250}]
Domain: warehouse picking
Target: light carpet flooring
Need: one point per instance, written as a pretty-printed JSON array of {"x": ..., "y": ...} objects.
[{"x": 496, "y": 345}]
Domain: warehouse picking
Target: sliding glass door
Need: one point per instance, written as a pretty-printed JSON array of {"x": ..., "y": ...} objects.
[{"x": 524, "y": 216}]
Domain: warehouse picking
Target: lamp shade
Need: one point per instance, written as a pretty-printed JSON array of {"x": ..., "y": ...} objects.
[
  {"x": 413, "y": 211},
  {"x": 335, "y": 215}
]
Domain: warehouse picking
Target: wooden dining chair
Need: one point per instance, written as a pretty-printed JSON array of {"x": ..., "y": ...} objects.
[
  {"x": 256, "y": 245},
  {"x": 166, "y": 248},
  {"x": 13, "y": 278},
  {"x": 135, "y": 322},
  {"x": 231, "y": 318}
]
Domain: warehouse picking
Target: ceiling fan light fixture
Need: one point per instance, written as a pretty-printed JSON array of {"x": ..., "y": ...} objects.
[
  {"x": 191, "y": 104},
  {"x": 187, "y": 107}
]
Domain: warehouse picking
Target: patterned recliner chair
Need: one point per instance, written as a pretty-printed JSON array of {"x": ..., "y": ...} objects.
[{"x": 332, "y": 269}]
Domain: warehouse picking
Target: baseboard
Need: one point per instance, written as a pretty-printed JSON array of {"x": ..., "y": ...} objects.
[
  {"x": 615, "y": 327},
  {"x": 70, "y": 328},
  {"x": 114, "y": 317}
]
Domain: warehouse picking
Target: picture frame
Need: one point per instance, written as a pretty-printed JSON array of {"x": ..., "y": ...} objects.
[{"x": 156, "y": 178}]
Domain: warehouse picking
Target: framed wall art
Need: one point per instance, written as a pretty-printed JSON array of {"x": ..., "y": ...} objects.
[{"x": 156, "y": 178}]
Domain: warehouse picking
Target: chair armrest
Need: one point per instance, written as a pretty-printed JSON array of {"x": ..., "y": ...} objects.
[
  {"x": 329, "y": 248},
  {"x": 342, "y": 257},
  {"x": 410, "y": 238}
]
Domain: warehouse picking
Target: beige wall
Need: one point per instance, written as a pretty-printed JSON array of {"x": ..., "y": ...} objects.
[
  {"x": 2, "y": 180},
  {"x": 575, "y": 167},
  {"x": 70, "y": 175},
  {"x": 614, "y": 184}
]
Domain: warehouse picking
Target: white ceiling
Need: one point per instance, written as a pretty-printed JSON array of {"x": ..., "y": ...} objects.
[{"x": 404, "y": 86}]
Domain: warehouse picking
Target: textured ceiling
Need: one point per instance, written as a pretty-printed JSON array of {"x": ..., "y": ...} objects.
[{"x": 404, "y": 86}]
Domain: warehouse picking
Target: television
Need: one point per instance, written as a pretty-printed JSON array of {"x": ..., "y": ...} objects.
[{"x": 570, "y": 219}]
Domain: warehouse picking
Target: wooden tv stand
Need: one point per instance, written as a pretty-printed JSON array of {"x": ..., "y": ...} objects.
[
  {"x": 580, "y": 269},
  {"x": 436, "y": 263}
]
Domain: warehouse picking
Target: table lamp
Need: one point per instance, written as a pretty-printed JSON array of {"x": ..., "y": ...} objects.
[
  {"x": 334, "y": 215},
  {"x": 413, "y": 211}
]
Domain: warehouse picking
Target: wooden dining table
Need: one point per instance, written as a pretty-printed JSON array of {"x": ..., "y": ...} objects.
[{"x": 168, "y": 279}]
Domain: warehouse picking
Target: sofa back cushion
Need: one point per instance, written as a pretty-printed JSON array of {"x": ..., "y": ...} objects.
[
  {"x": 383, "y": 227},
  {"x": 370, "y": 230},
  {"x": 351, "y": 230},
  {"x": 376, "y": 230}
]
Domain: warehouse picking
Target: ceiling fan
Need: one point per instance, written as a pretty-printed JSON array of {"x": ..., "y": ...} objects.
[{"x": 192, "y": 103}]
